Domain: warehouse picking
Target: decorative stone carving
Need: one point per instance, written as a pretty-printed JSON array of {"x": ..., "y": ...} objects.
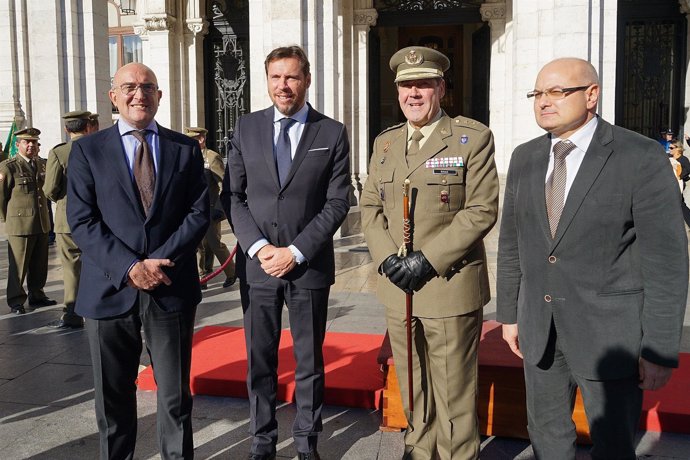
[
  {"x": 159, "y": 23},
  {"x": 365, "y": 17},
  {"x": 493, "y": 11},
  {"x": 197, "y": 26}
]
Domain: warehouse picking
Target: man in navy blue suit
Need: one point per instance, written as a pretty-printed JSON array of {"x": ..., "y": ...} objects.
[
  {"x": 286, "y": 189},
  {"x": 138, "y": 208}
]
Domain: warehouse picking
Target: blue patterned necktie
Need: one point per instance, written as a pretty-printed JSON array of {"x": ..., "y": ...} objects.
[{"x": 284, "y": 150}]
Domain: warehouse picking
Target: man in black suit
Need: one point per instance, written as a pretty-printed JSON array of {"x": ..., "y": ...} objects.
[
  {"x": 286, "y": 189},
  {"x": 138, "y": 208},
  {"x": 592, "y": 267}
]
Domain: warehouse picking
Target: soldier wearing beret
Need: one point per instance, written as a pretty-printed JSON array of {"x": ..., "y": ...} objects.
[
  {"x": 211, "y": 245},
  {"x": 453, "y": 205},
  {"x": 55, "y": 189},
  {"x": 24, "y": 209}
]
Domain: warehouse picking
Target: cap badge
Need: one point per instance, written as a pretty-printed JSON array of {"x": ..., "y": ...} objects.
[{"x": 412, "y": 58}]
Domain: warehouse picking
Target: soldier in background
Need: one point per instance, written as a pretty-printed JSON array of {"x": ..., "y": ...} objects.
[
  {"x": 211, "y": 244},
  {"x": 24, "y": 209},
  {"x": 77, "y": 124},
  {"x": 93, "y": 125}
]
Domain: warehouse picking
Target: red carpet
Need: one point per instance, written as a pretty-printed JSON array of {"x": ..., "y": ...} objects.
[
  {"x": 219, "y": 367},
  {"x": 668, "y": 409}
]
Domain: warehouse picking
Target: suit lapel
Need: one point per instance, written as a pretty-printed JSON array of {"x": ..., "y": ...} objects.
[
  {"x": 596, "y": 157},
  {"x": 168, "y": 153},
  {"x": 266, "y": 135},
  {"x": 537, "y": 193},
  {"x": 114, "y": 153}
]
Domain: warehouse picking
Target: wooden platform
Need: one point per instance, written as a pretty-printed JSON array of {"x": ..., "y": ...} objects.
[{"x": 501, "y": 408}]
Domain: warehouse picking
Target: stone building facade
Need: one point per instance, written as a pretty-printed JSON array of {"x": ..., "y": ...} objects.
[{"x": 208, "y": 55}]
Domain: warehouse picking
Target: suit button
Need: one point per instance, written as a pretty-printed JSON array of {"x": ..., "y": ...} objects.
[
  {"x": 274, "y": 224},
  {"x": 281, "y": 197},
  {"x": 547, "y": 298},
  {"x": 552, "y": 259}
]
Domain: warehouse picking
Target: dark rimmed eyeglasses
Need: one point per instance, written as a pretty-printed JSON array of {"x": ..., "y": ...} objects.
[
  {"x": 556, "y": 93},
  {"x": 128, "y": 89}
]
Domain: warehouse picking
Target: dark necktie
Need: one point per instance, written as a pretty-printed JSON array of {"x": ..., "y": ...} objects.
[
  {"x": 555, "y": 186},
  {"x": 413, "y": 148},
  {"x": 284, "y": 150},
  {"x": 144, "y": 172}
]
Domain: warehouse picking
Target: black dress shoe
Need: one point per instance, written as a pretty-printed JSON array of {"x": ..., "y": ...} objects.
[
  {"x": 313, "y": 455},
  {"x": 204, "y": 286},
  {"x": 42, "y": 303},
  {"x": 229, "y": 281},
  {"x": 262, "y": 456},
  {"x": 17, "y": 309},
  {"x": 68, "y": 323}
]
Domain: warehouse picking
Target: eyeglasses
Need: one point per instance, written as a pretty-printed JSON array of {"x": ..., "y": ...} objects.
[
  {"x": 556, "y": 93},
  {"x": 129, "y": 89}
]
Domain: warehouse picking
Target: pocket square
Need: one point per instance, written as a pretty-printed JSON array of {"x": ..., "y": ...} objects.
[{"x": 318, "y": 149}]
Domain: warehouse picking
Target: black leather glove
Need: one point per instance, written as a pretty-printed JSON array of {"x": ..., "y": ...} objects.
[
  {"x": 417, "y": 271},
  {"x": 391, "y": 267}
]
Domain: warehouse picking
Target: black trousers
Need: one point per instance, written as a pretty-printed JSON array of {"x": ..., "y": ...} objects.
[
  {"x": 116, "y": 345},
  {"x": 307, "y": 310}
]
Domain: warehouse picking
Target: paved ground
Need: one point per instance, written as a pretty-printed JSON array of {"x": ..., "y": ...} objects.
[{"x": 46, "y": 394}]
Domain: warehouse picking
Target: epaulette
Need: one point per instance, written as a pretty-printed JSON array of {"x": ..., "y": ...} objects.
[
  {"x": 391, "y": 128},
  {"x": 58, "y": 145},
  {"x": 464, "y": 122}
]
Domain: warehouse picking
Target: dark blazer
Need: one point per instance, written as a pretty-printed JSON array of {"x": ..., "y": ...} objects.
[
  {"x": 109, "y": 224},
  {"x": 615, "y": 277},
  {"x": 306, "y": 211}
]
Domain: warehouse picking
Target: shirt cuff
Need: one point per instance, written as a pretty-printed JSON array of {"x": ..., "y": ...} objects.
[
  {"x": 254, "y": 248},
  {"x": 299, "y": 257}
]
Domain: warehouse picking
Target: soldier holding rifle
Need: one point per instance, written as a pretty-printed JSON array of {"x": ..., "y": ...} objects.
[{"x": 453, "y": 203}]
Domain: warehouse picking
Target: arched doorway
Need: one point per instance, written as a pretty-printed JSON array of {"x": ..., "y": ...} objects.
[{"x": 453, "y": 27}]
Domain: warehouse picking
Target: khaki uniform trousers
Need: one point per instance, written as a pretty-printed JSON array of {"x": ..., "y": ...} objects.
[
  {"x": 444, "y": 362},
  {"x": 28, "y": 256},
  {"x": 70, "y": 258},
  {"x": 212, "y": 245}
]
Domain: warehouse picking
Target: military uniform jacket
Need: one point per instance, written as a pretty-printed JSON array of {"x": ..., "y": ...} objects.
[
  {"x": 454, "y": 204},
  {"x": 213, "y": 170},
  {"x": 55, "y": 187},
  {"x": 23, "y": 206}
]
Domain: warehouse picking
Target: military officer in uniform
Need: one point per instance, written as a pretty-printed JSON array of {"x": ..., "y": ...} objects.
[
  {"x": 211, "y": 245},
  {"x": 24, "y": 209},
  {"x": 453, "y": 205},
  {"x": 55, "y": 189}
]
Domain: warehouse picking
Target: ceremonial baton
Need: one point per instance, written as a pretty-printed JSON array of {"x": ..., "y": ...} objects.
[{"x": 402, "y": 252}]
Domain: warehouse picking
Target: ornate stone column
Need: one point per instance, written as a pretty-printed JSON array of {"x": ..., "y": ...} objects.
[
  {"x": 12, "y": 35},
  {"x": 363, "y": 20},
  {"x": 500, "y": 80},
  {"x": 158, "y": 34},
  {"x": 197, "y": 28}
]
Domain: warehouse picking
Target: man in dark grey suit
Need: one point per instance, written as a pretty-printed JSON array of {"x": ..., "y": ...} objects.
[
  {"x": 137, "y": 204},
  {"x": 592, "y": 267},
  {"x": 286, "y": 190}
]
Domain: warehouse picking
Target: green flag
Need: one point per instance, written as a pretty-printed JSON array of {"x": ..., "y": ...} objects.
[{"x": 10, "y": 148}]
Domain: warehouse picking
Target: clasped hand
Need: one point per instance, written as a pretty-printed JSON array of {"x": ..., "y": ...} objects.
[
  {"x": 408, "y": 273},
  {"x": 148, "y": 274},
  {"x": 275, "y": 261}
]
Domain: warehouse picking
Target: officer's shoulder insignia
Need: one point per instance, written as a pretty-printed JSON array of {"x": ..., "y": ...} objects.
[
  {"x": 391, "y": 128},
  {"x": 464, "y": 122},
  {"x": 60, "y": 144}
]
